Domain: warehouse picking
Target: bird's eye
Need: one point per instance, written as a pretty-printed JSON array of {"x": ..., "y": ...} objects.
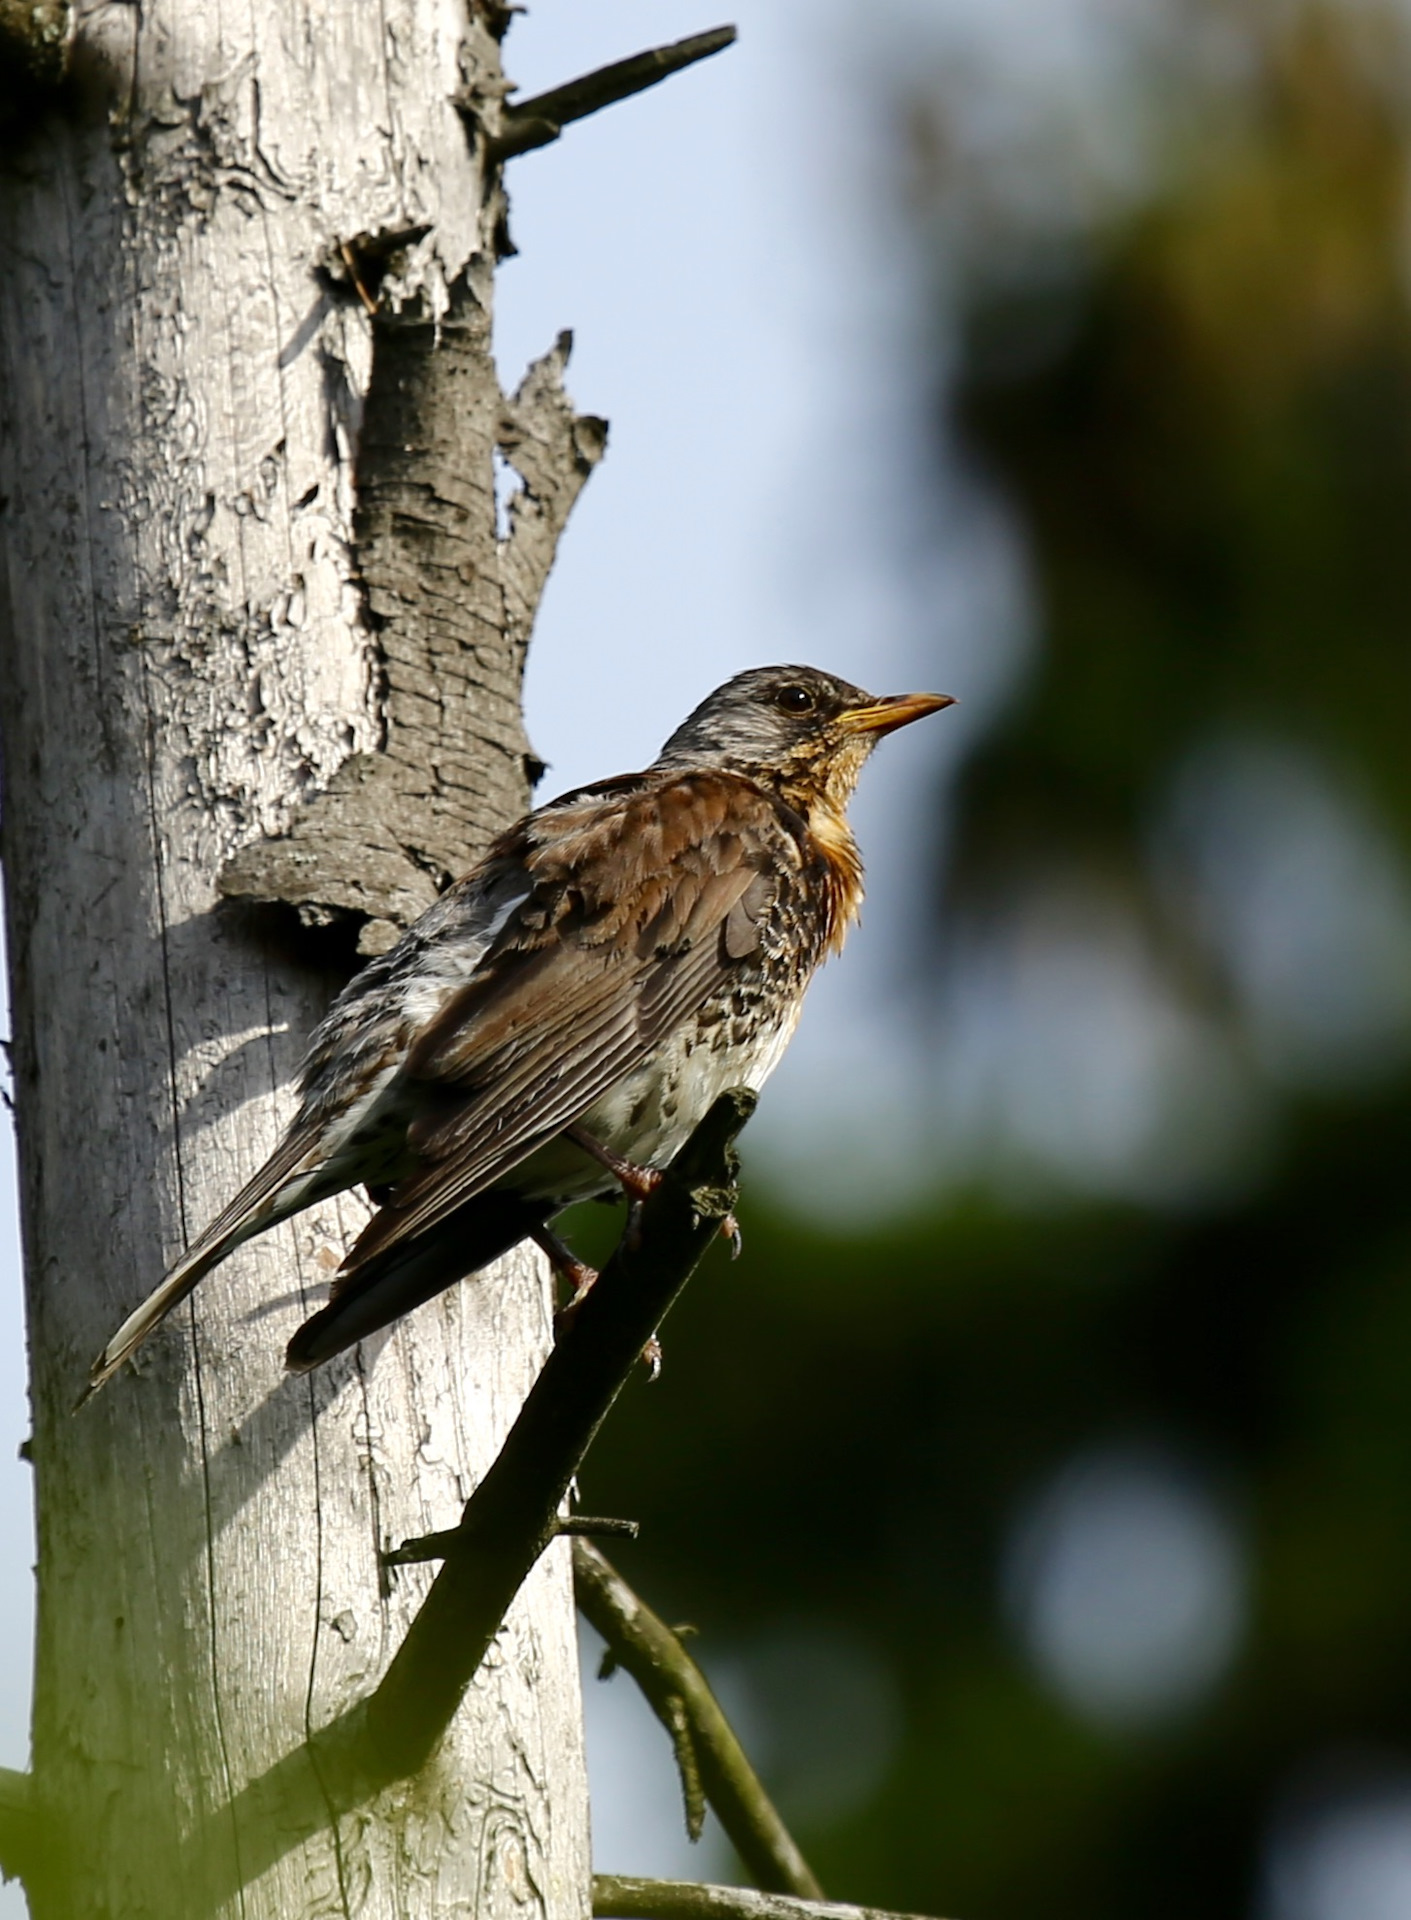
[{"x": 794, "y": 700}]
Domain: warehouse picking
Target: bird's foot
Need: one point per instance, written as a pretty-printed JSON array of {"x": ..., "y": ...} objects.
[
  {"x": 579, "y": 1275},
  {"x": 636, "y": 1181}
]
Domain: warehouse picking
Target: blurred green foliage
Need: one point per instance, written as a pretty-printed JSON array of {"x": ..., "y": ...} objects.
[
  {"x": 1203, "y": 426},
  {"x": 1214, "y": 467}
]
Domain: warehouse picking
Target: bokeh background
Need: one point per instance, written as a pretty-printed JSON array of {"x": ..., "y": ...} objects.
[{"x": 1039, "y": 1479}]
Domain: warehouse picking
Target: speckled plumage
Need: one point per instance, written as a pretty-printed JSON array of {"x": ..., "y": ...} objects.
[{"x": 618, "y": 959}]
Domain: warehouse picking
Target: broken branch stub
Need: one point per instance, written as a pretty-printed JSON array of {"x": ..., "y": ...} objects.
[
  {"x": 452, "y": 602},
  {"x": 527, "y": 124}
]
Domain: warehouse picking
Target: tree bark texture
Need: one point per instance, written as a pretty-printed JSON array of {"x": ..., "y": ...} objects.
[{"x": 262, "y": 642}]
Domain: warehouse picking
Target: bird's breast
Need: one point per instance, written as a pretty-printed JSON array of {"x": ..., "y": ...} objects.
[
  {"x": 648, "y": 1115},
  {"x": 839, "y": 899}
]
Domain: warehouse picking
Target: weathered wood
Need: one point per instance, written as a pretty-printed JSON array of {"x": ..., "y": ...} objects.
[
  {"x": 452, "y": 611},
  {"x": 512, "y": 1518},
  {"x": 190, "y": 656}
]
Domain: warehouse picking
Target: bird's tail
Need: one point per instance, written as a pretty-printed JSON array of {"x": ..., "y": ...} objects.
[
  {"x": 285, "y": 1183},
  {"x": 170, "y": 1291},
  {"x": 367, "y": 1297}
]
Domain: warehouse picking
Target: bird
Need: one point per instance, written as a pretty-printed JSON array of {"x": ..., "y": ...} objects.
[{"x": 554, "y": 1026}]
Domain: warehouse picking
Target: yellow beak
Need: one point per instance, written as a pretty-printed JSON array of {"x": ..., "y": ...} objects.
[{"x": 897, "y": 710}]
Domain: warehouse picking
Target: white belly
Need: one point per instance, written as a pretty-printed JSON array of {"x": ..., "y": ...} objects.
[{"x": 649, "y": 1114}]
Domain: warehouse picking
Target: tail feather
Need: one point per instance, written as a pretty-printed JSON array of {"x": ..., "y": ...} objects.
[
  {"x": 168, "y": 1293},
  {"x": 285, "y": 1183},
  {"x": 369, "y": 1296}
]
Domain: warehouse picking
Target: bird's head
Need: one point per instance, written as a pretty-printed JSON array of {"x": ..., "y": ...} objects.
[{"x": 800, "y": 731}]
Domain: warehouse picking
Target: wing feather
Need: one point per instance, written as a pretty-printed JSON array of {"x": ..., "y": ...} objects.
[
  {"x": 591, "y": 930},
  {"x": 552, "y": 1022}
]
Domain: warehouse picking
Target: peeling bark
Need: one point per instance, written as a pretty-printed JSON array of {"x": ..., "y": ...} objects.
[
  {"x": 452, "y": 603},
  {"x": 228, "y": 670}
]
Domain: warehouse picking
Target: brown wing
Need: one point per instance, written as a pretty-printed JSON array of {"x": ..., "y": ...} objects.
[{"x": 642, "y": 909}]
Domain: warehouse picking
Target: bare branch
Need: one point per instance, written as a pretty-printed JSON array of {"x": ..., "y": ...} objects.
[
  {"x": 439, "y": 1546},
  {"x": 514, "y": 1512},
  {"x": 688, "y": 1766},
  {"x": 652, "y": 1653},
  {"x": 588, "y": 1526},
  {"x": 620, "y": 1897},
  {"x": 509, "y": 1519},
  {"x": 537, "y": 122}
]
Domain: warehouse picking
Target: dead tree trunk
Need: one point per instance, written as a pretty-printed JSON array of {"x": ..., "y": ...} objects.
[{"x": 247, "y": 263}]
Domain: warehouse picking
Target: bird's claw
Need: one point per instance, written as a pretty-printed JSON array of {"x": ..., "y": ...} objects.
[
  {"x": 579, "y": 1275},
  {"x": 570, "y": 1310},
  {"x": 637, "y": 1182}
]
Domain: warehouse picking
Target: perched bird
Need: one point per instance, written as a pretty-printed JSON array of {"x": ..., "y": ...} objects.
[{"x": 564, "y": 1015}]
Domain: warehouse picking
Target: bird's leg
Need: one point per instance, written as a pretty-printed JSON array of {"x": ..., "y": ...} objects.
[
  {"x": 637, "y": 1182},
  {"x": 582, "y": 1278},
  {"x": 579, "y": 1275}
]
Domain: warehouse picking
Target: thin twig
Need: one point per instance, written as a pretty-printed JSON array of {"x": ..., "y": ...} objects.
[
  {"x": 440, "y": 1546},
  {"x": 652, "y": 1653},
  {"x": 598, "y": 1526},
  {"x": 535, "y": 123},
  {"x": 688, "y": 1765},
  {"x": 621, "y": 1897},
  {"x": 426, "y": 1546}
]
